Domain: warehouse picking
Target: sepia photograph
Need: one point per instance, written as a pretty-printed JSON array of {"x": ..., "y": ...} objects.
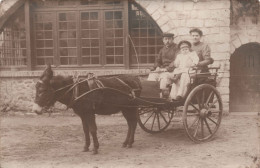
[{"x": 129, "y": 83}]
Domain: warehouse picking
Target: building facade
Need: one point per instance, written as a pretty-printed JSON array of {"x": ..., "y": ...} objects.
[{"x": 113, "y": 37}]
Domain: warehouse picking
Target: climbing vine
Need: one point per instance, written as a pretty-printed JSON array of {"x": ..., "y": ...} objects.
[{"x": 244, "y": 8}]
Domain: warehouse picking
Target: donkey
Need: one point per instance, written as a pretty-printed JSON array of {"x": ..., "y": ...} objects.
[{"x": 50, "y": 89}]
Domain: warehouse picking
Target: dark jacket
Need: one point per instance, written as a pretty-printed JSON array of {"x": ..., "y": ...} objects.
[{"x": 166, "y": 56}]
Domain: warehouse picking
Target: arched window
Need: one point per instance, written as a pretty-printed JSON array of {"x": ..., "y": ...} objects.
[
  {"x": 12, "y": 41},
  {"x": 146, "y": 37}
]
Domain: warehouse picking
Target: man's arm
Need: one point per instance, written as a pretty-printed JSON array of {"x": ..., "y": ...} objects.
[
  {"x": 206, "y": 57},
  {"x": 158, "y": 60}
]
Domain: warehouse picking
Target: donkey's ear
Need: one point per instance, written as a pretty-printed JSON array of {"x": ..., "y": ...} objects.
[{"x": 47, "y": 74}]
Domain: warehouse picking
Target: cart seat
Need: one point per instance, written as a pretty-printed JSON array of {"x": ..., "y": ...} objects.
[{"x": 150, "y": 89}]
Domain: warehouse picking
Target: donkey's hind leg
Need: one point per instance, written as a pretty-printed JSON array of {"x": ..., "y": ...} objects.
[{"x": 131, "y": 118}]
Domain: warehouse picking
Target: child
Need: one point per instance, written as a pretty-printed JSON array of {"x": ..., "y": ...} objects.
[{"x": 183, "y": 63}]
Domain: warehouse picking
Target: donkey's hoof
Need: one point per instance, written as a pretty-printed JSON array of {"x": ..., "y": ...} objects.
[
  {"x": 124, "y": 145},
  {"x": 95, "y": 151},
  {"x": 85, "y": 150},
  {"x": 129, "y": 146}
]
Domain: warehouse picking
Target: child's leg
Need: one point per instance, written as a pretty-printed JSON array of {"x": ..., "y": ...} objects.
[
  {"x": 184, "y": 81},
  {"x": 164, "y": 80}
]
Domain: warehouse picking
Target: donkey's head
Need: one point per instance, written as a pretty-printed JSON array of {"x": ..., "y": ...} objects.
[{"x": 45, "y": 96}]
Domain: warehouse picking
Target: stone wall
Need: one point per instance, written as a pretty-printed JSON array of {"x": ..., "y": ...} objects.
[
  {"x": 17, "y": 93},
  {"x": 211, "y": 16},
  {"x": 244, "y": 32}
]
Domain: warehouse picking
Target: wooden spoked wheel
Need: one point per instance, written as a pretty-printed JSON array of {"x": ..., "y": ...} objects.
[
  {"x": 154, "y": 119},
  {"x": 202, "y": 113}
]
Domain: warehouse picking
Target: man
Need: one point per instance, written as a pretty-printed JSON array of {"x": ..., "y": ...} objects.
[
  {"x": 202, "y": 49},
  {"x": 161, "y": 68}
]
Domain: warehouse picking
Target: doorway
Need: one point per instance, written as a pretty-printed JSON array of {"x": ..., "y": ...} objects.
[{"x": 245, "y": 78}]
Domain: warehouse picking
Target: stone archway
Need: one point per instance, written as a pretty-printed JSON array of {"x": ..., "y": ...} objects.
[{"x": 245, "y": 78}]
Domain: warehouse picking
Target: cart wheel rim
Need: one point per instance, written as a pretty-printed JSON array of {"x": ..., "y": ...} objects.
[{"x": 202, "y": 113}]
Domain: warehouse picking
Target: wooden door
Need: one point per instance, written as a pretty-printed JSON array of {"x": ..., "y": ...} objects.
[{"x": 245, "y": 78}]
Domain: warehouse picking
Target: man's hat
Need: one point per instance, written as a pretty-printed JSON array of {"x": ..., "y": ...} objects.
[{"x": 168, "y": 35}]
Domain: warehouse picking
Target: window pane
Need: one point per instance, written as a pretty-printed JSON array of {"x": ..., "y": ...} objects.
[
  {"x": 40, "y": 61},
  {"x": 85, "y": 25},
  {"x": 119, "y": 33},
  {"x": 119, "y": 42},
  {"x": 40, "y": 44},
  {"x": 118, "y": 15},
  {"x": 119, "y": 24},
  {"x": 49, "y": 52},
  {"x": 73, "y": 61},
  {"x": 40, "y": 52},
  {"x": 85, "y": 16},
  {"x": 48, "y": 34},
  {"x": 119, "y": 60},
  {"x": 72, "y": 43},
  {"x": 109, "y": 42},
  {"x": 86, "y": 60},
  {"x": 95, "y": 60},
  {"x": 110, "y": 51},
  {"x": 94, "y": 33},
  {"x": 48, "y": 26},
  {"x": 63, "y": 34},
  {"x": 93, "y": 16},
  {"x": 94, "y": 43},
  {"x": 63, "y": 52},
  {"x": 88, "y": 2},
  {"x": 109, "y": 24},
  {"x": 49, "y": 43},
  {"x": 119, "y": 51},
  {"x": 85, "y": 51},
  {"x": 39, "y": 35},
  {"x": 39, "y": 26},
  {"x": 64, "y": 61},
  {"x": 62, "y": 17},
  {"x": 110, "y": 60},
  {"x": 72, "y": 34},
  {"x": 63, "y": 25},
  {"x": 85, "y": 43},
  {"x": 63, "y": 43},
  {"x": 72, "y": 25},
  {"x": 72, "y": 51},
  {"x": 94, "y": 25},
  {"x": 94, "y": 51},
  {"x": 108, "y": 15},
  {"x": 85, "y": 33}
]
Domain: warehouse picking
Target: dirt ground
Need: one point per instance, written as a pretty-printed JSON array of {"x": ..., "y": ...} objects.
[{"x": 29, "y": 141}]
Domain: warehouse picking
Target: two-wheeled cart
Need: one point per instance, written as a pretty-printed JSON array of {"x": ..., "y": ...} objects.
[{"x": 201, "y": 107}]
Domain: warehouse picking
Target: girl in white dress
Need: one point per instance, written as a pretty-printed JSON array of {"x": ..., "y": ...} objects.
[{"x": 180, "y": 76}]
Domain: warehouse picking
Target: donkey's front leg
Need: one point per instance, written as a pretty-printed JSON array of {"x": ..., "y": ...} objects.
[
  {"x": 86, "y": 132},
  {"x": 93, "y": 130}
]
